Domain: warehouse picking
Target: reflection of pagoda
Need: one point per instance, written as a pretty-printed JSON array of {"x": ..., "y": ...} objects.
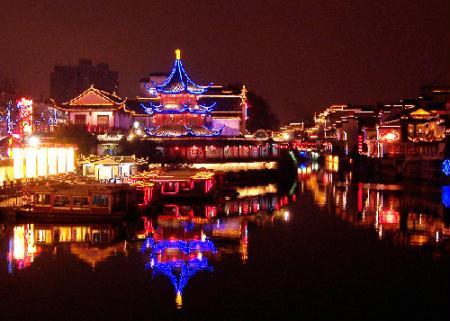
[{"x": 179, "y": 260}]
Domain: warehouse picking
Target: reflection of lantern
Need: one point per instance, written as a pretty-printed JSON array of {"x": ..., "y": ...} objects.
[
  {"x": 446, "y": 196},
  {"x": 389, "y": 217},
  {"x": 446, "y": 167}
]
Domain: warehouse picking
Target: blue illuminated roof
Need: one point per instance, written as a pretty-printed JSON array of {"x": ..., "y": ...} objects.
[{"x": 178, "y": 81}]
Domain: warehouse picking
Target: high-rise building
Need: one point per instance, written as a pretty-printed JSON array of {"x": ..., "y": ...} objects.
[{"x": 67, "y": 82}]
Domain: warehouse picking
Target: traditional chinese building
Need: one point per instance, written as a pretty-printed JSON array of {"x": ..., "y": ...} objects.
[
  {"x": 177, "y": 107},
  {"x": 186, "y": 120},
  {"x": 415, "y": 133},
  {"x": 96, "y": 110}
]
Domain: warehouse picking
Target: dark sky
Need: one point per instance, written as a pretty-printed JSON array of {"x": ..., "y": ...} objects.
[{"x": 300, "y": 55}]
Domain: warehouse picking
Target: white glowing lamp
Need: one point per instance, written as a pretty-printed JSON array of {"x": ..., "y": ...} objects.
[{"x": 34, "y": 141}]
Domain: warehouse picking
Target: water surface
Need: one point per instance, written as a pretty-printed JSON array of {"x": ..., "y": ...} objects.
[{"x": 328, "y": 244}]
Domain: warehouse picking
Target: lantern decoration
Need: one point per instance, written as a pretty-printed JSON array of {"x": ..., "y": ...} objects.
[
  {"x": 25, "y": 119},
  {"x": 389, "y": 136}
]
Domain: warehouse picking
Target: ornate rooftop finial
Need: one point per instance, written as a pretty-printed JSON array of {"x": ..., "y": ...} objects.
[
  {"x": 244, "y": 90},
  {"x": 178, "y": 54}
]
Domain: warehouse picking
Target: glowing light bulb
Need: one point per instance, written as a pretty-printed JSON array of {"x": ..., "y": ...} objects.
[{"x": 178, "y": 54}]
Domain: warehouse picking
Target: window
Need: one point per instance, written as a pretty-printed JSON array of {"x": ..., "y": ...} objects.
[
  {"x": 170, "y": 187},
  {"x": 42, "y": 199},
  {"x": 80, "y": 202},
  {"x": 185, "y": 186},
  {"x": 80, "y": 120},
  {"x": 61, "y": 201},
  {"x": 100, "y": 200},
  {"x": 90, "y": 170},
  {"x": 103, "y": 120}
]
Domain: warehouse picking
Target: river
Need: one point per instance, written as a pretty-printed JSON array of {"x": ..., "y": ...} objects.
[{"x": 326, "y": 244}]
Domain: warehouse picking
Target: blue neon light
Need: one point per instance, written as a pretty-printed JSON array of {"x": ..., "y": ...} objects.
[
  {"x": 178, "y": 271},
  {"x": 178, "y": 81},
  {"x": 151, "y": 109},
  {"x": 446, "y": 167},
  {"x": 189, "y": 132},
  {"x": 445, "y": 195}
]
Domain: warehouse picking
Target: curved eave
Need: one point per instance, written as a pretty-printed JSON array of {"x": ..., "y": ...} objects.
[
  {"x": 178, "y": 78},
  {"x": 74, "y": 108}
]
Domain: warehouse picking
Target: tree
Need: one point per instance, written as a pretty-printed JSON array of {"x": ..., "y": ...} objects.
[
  {"x": 259, "y": 111},
  {"x": 76, "y": 135}
]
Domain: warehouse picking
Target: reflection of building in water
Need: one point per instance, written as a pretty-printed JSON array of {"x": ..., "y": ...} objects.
[
  {"x": 395, "y": 214},
  {"x": 184, "y": 237},
  {"x": 29, "y": 240},
  {"x": 179, "y": 259},
  {"x": 248, "y": 191},
  {"x": 95, "y": 255},
  {"x": 232, "y": 229},
  {"x": 248, "y": 205},
  {"x": 318, "y": 185},
  {"x": 21, "y": 248}
]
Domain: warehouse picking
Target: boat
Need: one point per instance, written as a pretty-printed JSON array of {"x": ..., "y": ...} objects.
[{"x": 82, "y": 200}]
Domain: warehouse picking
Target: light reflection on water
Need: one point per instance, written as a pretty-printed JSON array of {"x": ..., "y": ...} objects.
[
  {"x": 189, "y": 239},
  {"x": 407, "y": 214},
  {"x": 183, "y": 240}
]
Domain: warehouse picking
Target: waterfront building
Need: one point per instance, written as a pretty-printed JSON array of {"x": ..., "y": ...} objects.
[
  {"x": 185, "y": 120},
  {"x": 95, "y": 110},
  {"x": 42, "y": 160},
  {"x": 415, "y": 133},
  {"x": 67, "y": 82},
  {"x": 109, "y": 167}
]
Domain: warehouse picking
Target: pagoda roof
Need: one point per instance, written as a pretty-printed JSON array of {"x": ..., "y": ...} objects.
[
  {"x": 222, "y": 103},
  {"x": 93, "y": 98},
  {"x": 178, "y": 81}
]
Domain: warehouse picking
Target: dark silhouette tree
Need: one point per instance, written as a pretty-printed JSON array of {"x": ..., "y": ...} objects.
[
  {"x": 77, "y": 135},
  {"x": 259, "y": 111}
]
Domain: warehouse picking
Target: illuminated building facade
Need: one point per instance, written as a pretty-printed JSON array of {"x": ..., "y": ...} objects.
[
  {"x": 109, "y": 167},
  {"x": 186, "y": 120},
  {"x": 175, "y": 108},
  {"x": 416, "y": 132},
  {"x": 41, "y": 161}
]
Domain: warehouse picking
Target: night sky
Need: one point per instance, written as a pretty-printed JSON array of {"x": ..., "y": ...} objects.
[{"x": 300, "y": 55}]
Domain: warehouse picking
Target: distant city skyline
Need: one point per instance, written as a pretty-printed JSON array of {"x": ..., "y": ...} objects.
[{"x": 302, "y": 56}]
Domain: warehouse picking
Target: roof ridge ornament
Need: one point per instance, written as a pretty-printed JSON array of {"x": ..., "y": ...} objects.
[{"x": 178, "y": 81}]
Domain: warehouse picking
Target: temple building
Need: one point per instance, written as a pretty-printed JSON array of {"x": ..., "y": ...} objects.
[
  {"x": 96, "y": 110},
  {"x": 177, "y": 107},
  {"x": 184, "y": 119}
]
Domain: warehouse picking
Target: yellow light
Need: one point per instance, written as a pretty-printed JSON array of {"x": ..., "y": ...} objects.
[
  {"x": 33, "y": 141},
  {"x": 179, "y": 300},
  {"x": 19, "y": 242},
  {"x": 42, "y": 161},
  {"x": 17, "y": 156},
  {"x": 30, "y": 162},
  {"x": 61, "y": 160},
  {"x": 70, "y": 159},
  {"x": 52, "y": 161},
  {"x": 178, "y": 54}
]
